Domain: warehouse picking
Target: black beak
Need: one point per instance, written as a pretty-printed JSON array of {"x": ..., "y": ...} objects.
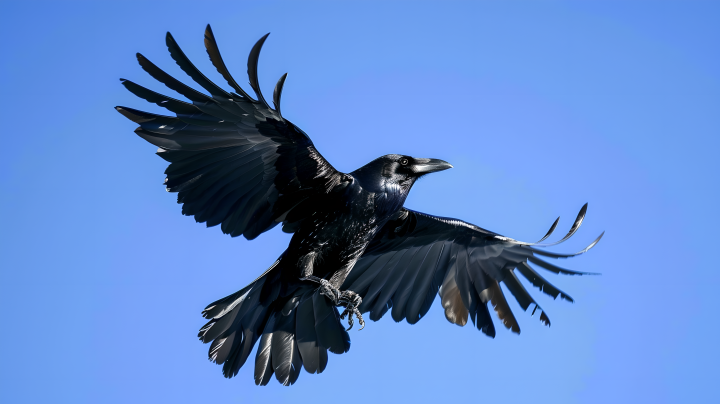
[{"x": 427, "y": 166}]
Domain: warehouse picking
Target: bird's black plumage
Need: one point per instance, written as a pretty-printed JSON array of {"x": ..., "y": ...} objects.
[{"x": 236, "y": 162}]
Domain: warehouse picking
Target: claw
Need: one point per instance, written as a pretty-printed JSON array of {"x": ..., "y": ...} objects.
[
  {"x": 360, "y": 319},
  {"x": 350, "y": 312},
  {"x": 351, "y": 301},
  {"x": 350, "y": 319}
]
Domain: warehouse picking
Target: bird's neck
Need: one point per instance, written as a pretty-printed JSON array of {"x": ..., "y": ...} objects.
[{"x": 389, "y": 199}]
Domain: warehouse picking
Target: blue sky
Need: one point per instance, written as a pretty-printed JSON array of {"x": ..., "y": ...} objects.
[{"x": 540, "y": 106}]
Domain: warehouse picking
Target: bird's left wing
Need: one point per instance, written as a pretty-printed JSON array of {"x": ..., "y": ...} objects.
[
  {"x": 234, "y": 160},
  {"x": 416, "y": 256}
]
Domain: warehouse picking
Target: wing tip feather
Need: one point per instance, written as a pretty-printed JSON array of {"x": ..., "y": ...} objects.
[{"x": 253, "y": 59}]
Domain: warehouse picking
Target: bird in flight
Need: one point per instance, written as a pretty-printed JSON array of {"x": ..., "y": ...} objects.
[{"x": 236, "y": 162}]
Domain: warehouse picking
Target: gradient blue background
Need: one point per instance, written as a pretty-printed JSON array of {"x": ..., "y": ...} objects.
[{"x": 541, "y": 107}]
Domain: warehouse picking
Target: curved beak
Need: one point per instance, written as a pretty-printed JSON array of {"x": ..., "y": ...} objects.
[{"x": 427, "y": 166}]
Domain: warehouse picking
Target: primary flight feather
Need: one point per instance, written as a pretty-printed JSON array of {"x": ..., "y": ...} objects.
[{"x": 236, "y": 162}]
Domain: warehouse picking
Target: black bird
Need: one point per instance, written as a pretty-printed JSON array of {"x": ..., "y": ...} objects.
[{"x": 236, "y": 162}]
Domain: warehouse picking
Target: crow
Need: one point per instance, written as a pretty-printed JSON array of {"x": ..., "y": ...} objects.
[{"x": 236, "y": 162}]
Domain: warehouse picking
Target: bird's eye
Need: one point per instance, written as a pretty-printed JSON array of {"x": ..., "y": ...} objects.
[{"x": 404, "y": 162}]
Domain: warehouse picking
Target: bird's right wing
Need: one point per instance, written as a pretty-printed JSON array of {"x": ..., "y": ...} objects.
[
  {"x": 417, "y": 256},
  {"x": 234, "y": 160}
]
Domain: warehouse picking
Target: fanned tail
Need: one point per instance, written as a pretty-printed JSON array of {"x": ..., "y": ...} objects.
[{"x": 295, "y": 329}]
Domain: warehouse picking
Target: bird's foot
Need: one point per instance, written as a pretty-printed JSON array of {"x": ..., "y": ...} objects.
[
  {"x": 332, "y": 293},
  {"x": 348, "y": 299},
  {"x": 351, "y": 301}
]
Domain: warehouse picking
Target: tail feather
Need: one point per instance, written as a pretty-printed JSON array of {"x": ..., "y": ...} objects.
[
  {"x": 323, "y": 360},
  {"x": 228, "y": 312},
  {"x": 295, "y": 324},
  {"x": 263, "y": 360},
  {"x": 221, "y": 347},
  {"x": 240, "y": 350},
  {"x": 330, "y": 332},
  {"x": 306, "y": 335},
  {"x": 285, "y": 354},
  {"x": 220, "y": 307}
]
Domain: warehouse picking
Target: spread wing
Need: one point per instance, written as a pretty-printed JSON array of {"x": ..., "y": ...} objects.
[
  {"x": 234, "y": 160},
  {"x": 416, "y": 256}
]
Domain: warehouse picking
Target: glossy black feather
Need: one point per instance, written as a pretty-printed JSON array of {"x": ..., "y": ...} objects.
[
  {"x": 217, "y": 61},
  {"x": 523, "y": 297},
  {"x": 386, "y": 283},
  {"x": 323, "y": 360},
  {"x": 402, "y": 295},
  {"x": 177, "y": 106},
  {"x": 552, "y": 229},
  {"x": 277, "y": 93},
  {"x": 393, "y": 282},
  {"x": 372, "y": 283},
  {"x": 364, "y": 274},
  {"x": 186, "y": 65},
  {"x": 483, "y": 321},
  {"x": 306, "y": 335},
  {"x": 252, "y": 66},
  {"x": 433, "y": 289},
  {"x": 220, "y": 348},
  {"x": 146, "y": 117},
  {"x": 330, "y": 333},
  {"x": 173, "y": 84},
  {"x": 541, "y": 283},
  {"x": 285, "y": 355},
  {"x": 423, "y": 280},
  {"x": 263, "y": 359},
  {"x": 462, "y": 277}
]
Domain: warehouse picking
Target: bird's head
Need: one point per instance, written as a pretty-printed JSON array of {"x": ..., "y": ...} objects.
[{"x": 396, "y": 170}]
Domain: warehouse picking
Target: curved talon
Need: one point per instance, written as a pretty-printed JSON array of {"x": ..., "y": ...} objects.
[
  {"x": 360, "y": 319},
  {"x": 351, "y": 322},
  {"x": 350, "y": 319}
]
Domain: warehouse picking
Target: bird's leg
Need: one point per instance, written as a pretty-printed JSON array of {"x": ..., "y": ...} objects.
[
  {"x": 326, "y": 288},
  {"x": 348, "y": 299},
  {"x": 307, "y": 263}
]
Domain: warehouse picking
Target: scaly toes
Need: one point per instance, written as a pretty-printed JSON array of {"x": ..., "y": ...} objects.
[
  {"x": 330, "y": 291},
  {"x": 349, "y": 313},
  {"x": 351, "y": 301}
]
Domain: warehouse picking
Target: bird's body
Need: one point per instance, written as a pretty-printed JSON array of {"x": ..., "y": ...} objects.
[
  {"x": 238, "y": 163},
  {"x": 338, "y": 230}
]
